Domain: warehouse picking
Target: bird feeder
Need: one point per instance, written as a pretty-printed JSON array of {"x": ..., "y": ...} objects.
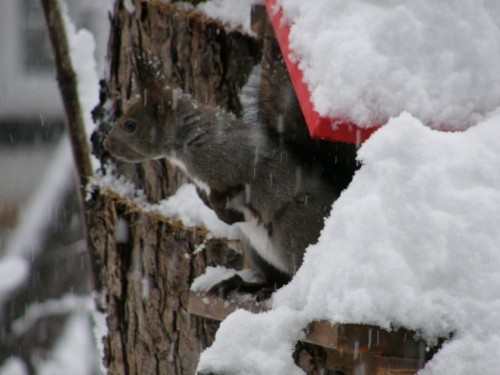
[{"x": 333, "y": 129}]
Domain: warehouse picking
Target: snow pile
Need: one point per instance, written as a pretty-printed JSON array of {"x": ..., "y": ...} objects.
[
  {"x": 82, "y": 47},
  {"x": 185, "y": 205},
  {"x": 254, "y": 344},
  {"x": 234, "y": 12},
  {"x": 117, "y": 183},
  {"x": 214, "y": 275},
  {"x": 368, "y": 61},
  {"x": 412, "y": 242}
]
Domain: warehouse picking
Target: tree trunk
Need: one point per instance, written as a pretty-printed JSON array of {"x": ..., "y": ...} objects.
[{"x": 144, "y": 280}]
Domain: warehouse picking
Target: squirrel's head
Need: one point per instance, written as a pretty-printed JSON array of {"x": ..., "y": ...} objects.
[{"x": 147, "y": 130}]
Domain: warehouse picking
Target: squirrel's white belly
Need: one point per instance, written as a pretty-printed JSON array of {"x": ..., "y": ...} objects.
[{"x": 259, "y": 238}]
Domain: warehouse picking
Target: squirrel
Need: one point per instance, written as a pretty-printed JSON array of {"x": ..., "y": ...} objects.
[{"x": 245, "y": 175}]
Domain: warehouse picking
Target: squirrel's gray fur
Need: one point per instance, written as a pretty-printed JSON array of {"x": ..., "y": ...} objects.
[{"x": 249, "y": 177}]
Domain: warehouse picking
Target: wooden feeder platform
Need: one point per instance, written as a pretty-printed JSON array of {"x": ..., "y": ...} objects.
[{"x": 347, "y": 348}]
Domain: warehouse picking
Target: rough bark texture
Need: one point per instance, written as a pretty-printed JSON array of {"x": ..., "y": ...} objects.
[
  {"x": 145, "y": 279},
  {"x": 146, "y": 282}
]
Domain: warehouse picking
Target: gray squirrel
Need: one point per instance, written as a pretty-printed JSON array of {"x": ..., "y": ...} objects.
[{"x": 245, "y": 174}]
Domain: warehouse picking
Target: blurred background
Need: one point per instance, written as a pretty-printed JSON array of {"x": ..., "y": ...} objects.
[{"x": 45, "y": 283}]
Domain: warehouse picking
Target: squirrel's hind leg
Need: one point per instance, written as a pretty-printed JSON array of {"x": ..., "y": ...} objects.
[{"x": 272, "y": 280}]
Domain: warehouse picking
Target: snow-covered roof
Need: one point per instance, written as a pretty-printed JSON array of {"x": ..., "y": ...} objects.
[{"x": 367, "y": 61}]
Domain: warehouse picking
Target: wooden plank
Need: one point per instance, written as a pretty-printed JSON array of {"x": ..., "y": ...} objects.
[
  {"x": 217, "y": 308},
  {"x": 359, "y": 338},
  {"x": 350, "y": 348},
  {"x": 345, "y": 338},
  {"x": 397, "y": 366}
]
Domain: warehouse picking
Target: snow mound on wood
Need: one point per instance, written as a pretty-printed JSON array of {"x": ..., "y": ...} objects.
[
  {"x": 367, "y": 61},
  {"x": 412, "y": 242},
  {"x": 235, "y": 12}
]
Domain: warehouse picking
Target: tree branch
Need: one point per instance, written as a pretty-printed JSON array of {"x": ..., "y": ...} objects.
[{"x": 66, "y": 78}]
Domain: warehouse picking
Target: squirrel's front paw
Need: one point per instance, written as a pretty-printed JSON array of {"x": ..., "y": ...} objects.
[{"x": 261, "y": 291}]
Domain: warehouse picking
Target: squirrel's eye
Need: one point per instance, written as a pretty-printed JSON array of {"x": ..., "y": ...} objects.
[{"x": 129, "y": 126}]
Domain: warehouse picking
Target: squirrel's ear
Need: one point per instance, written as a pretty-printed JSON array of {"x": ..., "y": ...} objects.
[{"x": 155, "y": 101}]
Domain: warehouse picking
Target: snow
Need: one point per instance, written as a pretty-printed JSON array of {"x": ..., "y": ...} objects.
[
  {"x": 82, "y": 46},
  {"x": 266, "y": 349},
  {"x": 214, "y": 275},
  {"x": 368, "y": 61},
  {"x": 99, "y": 327},
  {"x": 117, "y": 183},
  {"x": 129, "y": 5},
  {"x": 121, "y": 231},
  {"x": 185, "y": 205},
  {"x": 413, "y": 242},
  {"x": 234, "y": 12}
]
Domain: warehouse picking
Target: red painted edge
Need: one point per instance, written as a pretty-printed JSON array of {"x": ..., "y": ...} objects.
[{"x": 319, "y": 127}]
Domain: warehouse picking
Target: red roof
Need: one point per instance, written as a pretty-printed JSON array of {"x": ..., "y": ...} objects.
[{"x": 334, "y": 129}]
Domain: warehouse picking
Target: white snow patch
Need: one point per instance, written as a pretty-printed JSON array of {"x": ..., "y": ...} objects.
[
  {"x": 368, "y": 61},
  {"x": 214, "y": 275},
  {"x": 412, "y": 242},
  {"x": 129, "y": 5},
  {"x": 119, "y": 184},
  {"x": 82, "y": 48},
  {"x": 187, "y": 206},
  {"x": 235, "y": 12},
  {"x": 122, "y": 232},
  {"x": 184, "y": 205},
  {"x": 100, "y": 329},
  {"x": 261, "y": 347}
]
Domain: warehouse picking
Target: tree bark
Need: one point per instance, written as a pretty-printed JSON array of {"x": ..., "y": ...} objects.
[{"x": 144, "y": 281}]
